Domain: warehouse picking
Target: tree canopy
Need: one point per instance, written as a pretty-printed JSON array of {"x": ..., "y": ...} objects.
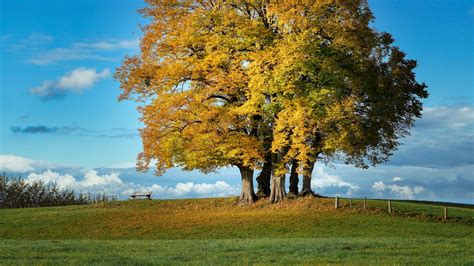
[{"x": 268, "y": 84}]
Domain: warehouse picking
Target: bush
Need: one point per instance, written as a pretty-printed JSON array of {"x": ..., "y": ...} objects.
[{"x": 17, "y": 193}]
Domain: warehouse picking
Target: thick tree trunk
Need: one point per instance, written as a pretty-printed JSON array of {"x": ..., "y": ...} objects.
[
  {"x": 277, "y": 185},
  {"x": 263, "y": 179},
  {"x": 294, "y": 179},
  {"x": 278, "y": 188},
  {"x": 247, "y": 196},
  {"x": 306, "y": 190}
]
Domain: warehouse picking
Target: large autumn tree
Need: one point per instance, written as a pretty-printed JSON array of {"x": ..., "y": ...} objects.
[
  {"x": 192, "y": 79},
  {"x": 268, "y": 85}
]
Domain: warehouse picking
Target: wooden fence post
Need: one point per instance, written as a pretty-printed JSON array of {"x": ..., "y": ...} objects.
[
  {"x": 350, "y": 203},
  {"x": 365, "y": 203},
  {"x": 445, "y": 213},
  {"x": 337, "y": 202},
  {"x": 389, "y": 206}
]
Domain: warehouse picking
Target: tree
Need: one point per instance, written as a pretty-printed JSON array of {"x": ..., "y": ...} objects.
[
  {"x": 340, "y": 89},
  {"x": 268, "y": 84},
  {"x": 192, "y": 79}
]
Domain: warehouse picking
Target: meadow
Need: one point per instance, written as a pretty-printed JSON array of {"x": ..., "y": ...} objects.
[{"x": 215, "y": 231}]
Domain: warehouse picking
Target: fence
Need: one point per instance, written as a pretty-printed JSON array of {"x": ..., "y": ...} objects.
[{"x": 440, "y": 209}]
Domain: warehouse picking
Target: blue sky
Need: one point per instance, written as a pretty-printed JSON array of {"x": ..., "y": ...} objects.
[{"x": 60, "y": 118}]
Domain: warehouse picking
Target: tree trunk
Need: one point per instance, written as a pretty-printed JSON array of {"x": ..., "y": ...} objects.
[
  {"x": 277, "y": 185},
  {"x": 263, "y": 179},
  {"x": 247, "y": 196},
  {"x": 308, "y": 171},
  {"x": 278, "y": 188},
  {"x": 294, "y": 179}
]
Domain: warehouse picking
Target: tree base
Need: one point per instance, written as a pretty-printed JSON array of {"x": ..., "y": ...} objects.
[
  {"x": 247, "y": 196},
  {"x": 292, "y": 195},
  {"x": 246, "y": 200},
  {"x": 262, "y": 194},
  {"x": 278, "y": 189},
  {"x": 308, "y": 193}
]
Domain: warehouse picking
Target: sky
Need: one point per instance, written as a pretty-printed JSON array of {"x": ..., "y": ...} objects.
[{"x": 61, "y": 121}]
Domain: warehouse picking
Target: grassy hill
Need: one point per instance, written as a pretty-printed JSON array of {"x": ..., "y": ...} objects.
[{"x": 203, "y": 231}]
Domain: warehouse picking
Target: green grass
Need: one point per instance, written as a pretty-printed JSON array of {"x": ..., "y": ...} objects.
[
  {"x": 203, "y": 231},
  {"x": 240, "y": 251}
]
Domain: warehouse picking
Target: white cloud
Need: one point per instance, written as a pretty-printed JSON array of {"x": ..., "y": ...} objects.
[
  {"x": 396, "y": 178},
  {"x": 418, "y": 189},
  {"x": 404, "y": 192},
  {"x": 81, "y": 78},
  {"x": 379, "y": 186},
  {"x": 220, "y": 188},
  {"x": 323, "y": 180},
  {"x": 91, "y": 178},
  {"x": 91, "y": 182},
  {"x": 446, "y": 117},
  {"x": 77, "y": 80},
  {"x": 63, "y": 181},
  {"x": 12, "y": 163}
]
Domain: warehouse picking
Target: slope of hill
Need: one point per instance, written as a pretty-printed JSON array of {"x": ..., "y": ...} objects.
[{"x": 203, "y": 231}]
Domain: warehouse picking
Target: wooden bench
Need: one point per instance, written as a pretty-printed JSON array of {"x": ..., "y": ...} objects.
[{"x": 136, "y": 195}]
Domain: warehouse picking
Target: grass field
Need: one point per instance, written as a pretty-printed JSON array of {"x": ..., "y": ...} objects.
[{"x": 203, "y": 231}]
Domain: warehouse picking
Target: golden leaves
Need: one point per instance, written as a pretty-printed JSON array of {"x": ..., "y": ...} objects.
[{"x": 217, "y": 79}]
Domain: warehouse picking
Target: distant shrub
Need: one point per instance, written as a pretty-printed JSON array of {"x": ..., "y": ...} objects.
[{"x": 17, "y": 193}]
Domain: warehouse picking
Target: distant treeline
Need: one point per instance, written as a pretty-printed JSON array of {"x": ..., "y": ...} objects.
[{"x": 17, "y": 193}]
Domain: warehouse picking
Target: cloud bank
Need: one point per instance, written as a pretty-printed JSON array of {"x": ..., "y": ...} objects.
[
  {"x": 443, "y": 138},
  {"x": 93, "y": 182}
]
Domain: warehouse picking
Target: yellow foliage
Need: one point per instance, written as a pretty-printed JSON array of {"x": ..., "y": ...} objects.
[{"x": 218, "y": 79}]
